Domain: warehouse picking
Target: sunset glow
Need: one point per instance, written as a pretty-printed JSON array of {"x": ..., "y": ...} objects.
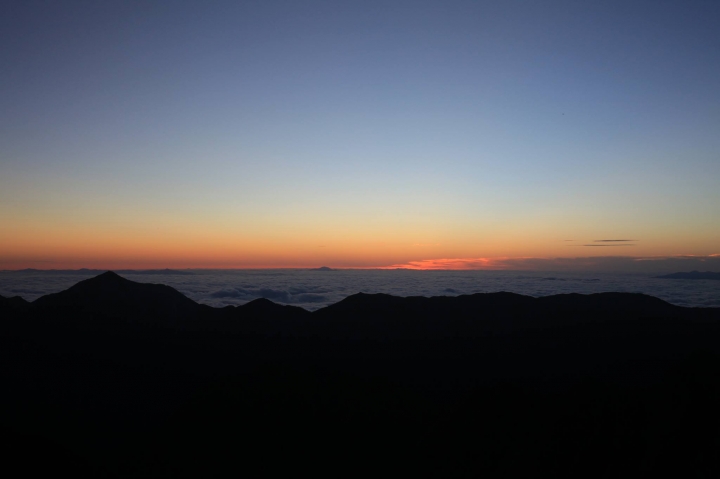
[{"x": 437, "y": 135}]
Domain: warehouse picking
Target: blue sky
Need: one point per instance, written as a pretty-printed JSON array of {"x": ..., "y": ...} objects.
[{"x": 488, "y": 129}]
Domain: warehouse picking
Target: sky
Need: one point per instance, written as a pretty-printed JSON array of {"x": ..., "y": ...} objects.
[{"x": 423, "y": 134}]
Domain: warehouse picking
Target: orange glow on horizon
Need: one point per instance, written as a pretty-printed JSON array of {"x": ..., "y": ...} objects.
[
  {"x": 452, "y": 264},
  {"x": 519, "y": 263},
  {"x": 170, "y": 243}
]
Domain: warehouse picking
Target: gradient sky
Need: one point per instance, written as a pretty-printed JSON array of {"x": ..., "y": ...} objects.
[{"x": 357, "y": 134}]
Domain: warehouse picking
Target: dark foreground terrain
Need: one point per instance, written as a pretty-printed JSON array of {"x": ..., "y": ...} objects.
[{"x": 112, "y": 378}]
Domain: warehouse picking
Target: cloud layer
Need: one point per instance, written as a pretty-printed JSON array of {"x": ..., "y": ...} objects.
[{"x": 315, "y": 289}]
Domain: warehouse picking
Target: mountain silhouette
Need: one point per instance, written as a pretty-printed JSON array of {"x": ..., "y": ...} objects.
[
  {"x": 265, "y": 307},
  {"x": 112, "y": 295},
  {"x": 14, "y": 304},
  {"x": 125, "y": 379}
]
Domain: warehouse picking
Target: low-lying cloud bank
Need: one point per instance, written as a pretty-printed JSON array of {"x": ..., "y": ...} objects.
[
  {"x": 313, "y": 290},
  {"x": 648, "y": 264},
  {"x": 291, "y": 296}
]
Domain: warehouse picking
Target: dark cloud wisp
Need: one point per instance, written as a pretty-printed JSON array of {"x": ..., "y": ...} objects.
[
  {"x": 614, "y": 240},
  {"x": 621, "y": 244}
]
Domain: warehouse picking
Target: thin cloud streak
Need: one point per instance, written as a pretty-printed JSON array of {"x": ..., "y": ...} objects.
[
  {"x": 604, "y": 245},
  {"x": 448, "y": 264},
  {"x": 613, "y": 240}
]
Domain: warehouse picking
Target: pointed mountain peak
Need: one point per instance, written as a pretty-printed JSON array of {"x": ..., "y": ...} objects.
[
  {"x": 261, "y": 302},
  {"x": 111, "y": 294},
  {"x": 108, "y": 280},
  {"x": 109, "y": 276}
]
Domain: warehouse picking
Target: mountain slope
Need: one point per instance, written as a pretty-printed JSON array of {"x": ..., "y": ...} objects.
[
  {"x": 111, "y": 295},
  {"x": 484, "y": 385}
]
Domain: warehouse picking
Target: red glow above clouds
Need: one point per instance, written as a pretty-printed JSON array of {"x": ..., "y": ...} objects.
[
  {"x": 599, "y": 263},
  {"x": 493, "y": 264},
  {"x": 451, "y": 263}
]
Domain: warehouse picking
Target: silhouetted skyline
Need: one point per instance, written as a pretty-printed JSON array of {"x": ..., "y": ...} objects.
[{"x": 116, "y": 378}]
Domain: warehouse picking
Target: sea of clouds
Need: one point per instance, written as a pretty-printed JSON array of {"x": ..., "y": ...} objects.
[{"x": 312, "y": 289}]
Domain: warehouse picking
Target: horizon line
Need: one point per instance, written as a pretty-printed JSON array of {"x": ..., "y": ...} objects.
[{"x": 505, "y": 263}]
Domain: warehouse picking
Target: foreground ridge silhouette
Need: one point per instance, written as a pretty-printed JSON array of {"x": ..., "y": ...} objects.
[{"x": 113, "y": 378}]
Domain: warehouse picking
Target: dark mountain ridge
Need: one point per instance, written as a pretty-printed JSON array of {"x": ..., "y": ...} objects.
[
  {"x": 113, "y": 295},
  {"x": 136, "y": 380}
]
